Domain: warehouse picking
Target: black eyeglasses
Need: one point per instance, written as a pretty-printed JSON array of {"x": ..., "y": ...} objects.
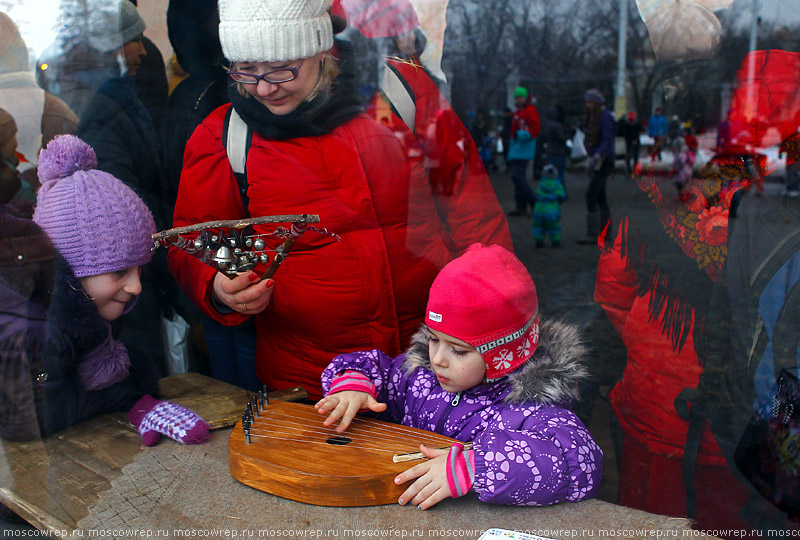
[{"x": 276, "y": 76}]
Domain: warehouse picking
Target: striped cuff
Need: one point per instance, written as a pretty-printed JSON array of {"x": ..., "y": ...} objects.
[
  {"x": 352, "y": 380},
  {"x": 460, "y": 470}
]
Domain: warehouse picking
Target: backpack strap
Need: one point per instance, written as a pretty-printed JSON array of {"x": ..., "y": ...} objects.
[
  {"x": 399, "y": 95},
  {"x": 238, "y": 138}
]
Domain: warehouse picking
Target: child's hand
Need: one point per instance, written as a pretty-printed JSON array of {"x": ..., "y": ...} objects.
[
  {"x": 345, "y": 405},
  {"x": 431, "y": 485},
  {"x": 244, "y": 293}
]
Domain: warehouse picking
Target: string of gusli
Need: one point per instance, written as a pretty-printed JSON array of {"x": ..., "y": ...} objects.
[
  {"x": 234, "y": 246},
  {"x": 283, "y": 449}
]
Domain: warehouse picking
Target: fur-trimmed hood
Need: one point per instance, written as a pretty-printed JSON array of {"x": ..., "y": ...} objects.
[{"x": 549, "y": 377}]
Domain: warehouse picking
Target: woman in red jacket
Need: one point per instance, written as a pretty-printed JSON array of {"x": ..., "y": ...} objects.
[{"x": 314, "y": 151}]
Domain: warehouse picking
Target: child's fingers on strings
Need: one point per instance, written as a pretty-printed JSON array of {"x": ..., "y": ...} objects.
[
  {"x": 327, "y": 403},
  {"x": 332, "y": 407},
  {"x": 350, "y": 413}
]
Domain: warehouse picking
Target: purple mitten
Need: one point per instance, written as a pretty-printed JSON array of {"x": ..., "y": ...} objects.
[{"x": 154, "y": 418}]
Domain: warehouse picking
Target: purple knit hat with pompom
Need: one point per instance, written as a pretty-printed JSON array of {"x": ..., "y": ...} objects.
[{"x": 95, "y": 221}]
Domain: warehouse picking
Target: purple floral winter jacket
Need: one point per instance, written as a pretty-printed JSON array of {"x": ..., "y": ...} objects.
[{"x": 529, "y": 448}]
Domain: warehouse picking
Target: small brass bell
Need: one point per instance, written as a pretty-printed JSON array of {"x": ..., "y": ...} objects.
[{"x": 259, "y": 244}]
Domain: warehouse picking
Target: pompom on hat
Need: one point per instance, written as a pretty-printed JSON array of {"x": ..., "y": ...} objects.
[
  {"x": 96, "y": 222},
  {"x": 274, "y": 30},
  {"x": 487, "y": 299}
]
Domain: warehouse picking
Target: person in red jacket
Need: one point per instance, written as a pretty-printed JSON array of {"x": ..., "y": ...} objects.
[
  {"x": 315, "y": 151},
  {"x": 525, "y": 128},
  {"x": 410, "y": 103}
]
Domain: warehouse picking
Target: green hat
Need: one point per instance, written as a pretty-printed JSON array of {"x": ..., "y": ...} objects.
[{"x": 521, "y": 91}]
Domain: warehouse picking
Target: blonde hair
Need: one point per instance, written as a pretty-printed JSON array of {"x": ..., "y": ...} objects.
[{"x": 328, "y": 73}]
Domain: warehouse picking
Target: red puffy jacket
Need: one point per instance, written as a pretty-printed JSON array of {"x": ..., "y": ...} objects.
[{"x": 366, "y": 291}]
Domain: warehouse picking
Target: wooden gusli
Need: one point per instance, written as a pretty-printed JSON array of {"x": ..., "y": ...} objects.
[{"x": 292, "y": 455}]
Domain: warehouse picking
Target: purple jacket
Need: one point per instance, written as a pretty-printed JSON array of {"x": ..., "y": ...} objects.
[{"x": 529, "y": 448}]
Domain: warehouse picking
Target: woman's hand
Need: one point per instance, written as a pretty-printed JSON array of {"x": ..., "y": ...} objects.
[
  {"x": 345, "y": 405},
  {"x": 244, "y": 293},
  {"x": 430, "y": 486}
]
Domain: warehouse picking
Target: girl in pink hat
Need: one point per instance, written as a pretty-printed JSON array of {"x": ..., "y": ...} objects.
[{"x": 483, "y": 369}]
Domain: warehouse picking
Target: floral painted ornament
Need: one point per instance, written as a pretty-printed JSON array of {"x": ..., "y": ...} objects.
[
  {"x": 791, "y": 147},
  {"x": 697, "y": 221}
]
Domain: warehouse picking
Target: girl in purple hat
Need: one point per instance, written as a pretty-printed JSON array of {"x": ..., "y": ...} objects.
[
  {"x": 71, "y": 365},
  {"x": 481, "y": 369}
]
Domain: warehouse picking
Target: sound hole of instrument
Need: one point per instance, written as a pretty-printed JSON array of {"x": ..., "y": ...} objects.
[{"x": 339, "y": 440}]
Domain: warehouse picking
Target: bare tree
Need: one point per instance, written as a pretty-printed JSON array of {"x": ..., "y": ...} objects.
[{"x": 478, "y": 52}]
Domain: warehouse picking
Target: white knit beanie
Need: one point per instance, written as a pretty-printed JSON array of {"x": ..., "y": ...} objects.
[{"x": 274, "y": 30}]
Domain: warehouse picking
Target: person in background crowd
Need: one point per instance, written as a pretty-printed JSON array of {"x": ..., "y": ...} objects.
[
  {"x": 39, "y": 115},
  {"x": 119, "y": 128},
  {"x": 152, "y": 85},
  {"x": 631, "y": 130},
  {"x": 555, "y": 136},
  {"x": 547, "y": 210},
  {"x": 685, "y": 151},
  {"x": 394, "y": 234},
  {"x": 657, "y": 129},
  {"x": 11, "y": 185},
  {"x": 505, "y": 133},
  {"x": 77, "y": 62},
  {"x": 724, "y": 133},
  {"x": 792, "y": 175},
  {"x": 525, "y": 129},
  {"x": 599, "y": 143},
  {"x": 194, "y": 34},
  {"x": 675, "y": 128},
  {"x": 699, "y": 124}
]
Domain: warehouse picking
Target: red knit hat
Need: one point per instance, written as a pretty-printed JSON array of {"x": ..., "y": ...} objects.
[{"x": 487, "y": 299}]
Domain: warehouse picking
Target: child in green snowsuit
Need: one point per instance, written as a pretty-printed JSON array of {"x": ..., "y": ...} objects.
[{"x": 547, "y": 210}]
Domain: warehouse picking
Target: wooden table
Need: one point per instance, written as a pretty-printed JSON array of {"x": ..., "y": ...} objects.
[
  {"x": 51, "y": 483},
  {"x": 172, "y": 490}
]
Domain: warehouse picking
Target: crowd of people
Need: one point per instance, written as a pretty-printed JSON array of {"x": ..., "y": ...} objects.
[{"x": 406, "y": 299}]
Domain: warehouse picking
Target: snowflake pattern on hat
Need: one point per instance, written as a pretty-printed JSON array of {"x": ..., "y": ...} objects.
[{"x": 510, "y": 351}]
